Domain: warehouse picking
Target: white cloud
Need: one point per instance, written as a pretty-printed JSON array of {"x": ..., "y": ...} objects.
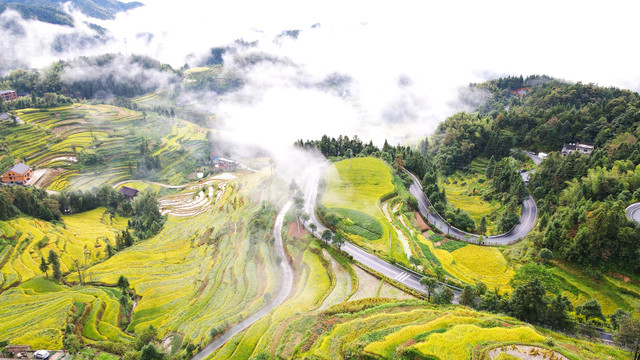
[{"x": 439, "y": 46}]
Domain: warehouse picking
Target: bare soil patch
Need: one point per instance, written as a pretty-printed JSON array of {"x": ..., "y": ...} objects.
[
  {"x": 421, "y": 223},
  {"x": 47, "y": 177},
  {"x": 296, "y": 231}
]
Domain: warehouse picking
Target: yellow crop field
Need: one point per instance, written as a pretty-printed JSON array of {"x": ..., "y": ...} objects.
[
  {"x": 393, "y": 329},
  {"x": 199, "y": 272},
  {"x": 358, "y": 184},
  {"x": 459, "y": 342},
  {"x": 354, "y": 189},
  {"x": 330, "y": 347},
  {"x": 387, "y": 346},
  {"x": 83, "y": 238},
  {"x": 37, "y": 311},
  {"x": 474, "y": 262},
  {"x": 316, "y": 283}
]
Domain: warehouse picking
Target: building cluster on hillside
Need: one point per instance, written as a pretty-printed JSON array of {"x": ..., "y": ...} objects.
[
  {"x": 521, "y": 92},
  {"x": 19, "y": 174},
  {"x": 573, "y": 147},
  {"x": 222, "y": 163},
  {"x": 8, "y": 95}
]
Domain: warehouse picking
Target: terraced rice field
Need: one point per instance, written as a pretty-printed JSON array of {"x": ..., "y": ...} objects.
[
  {"x": 153, "y": 99},
  {"x": 25, "y": 241},
  {"x": 611, "y": 291},
  {"x": 196, "y": 198},
  {"x": 51, "y": 137},
  {"x": 392, "y": 329},
  {"x": 323, "y": 279},
  {"x": 204, "y": 271},
  {"x": 37, "y": 311}
]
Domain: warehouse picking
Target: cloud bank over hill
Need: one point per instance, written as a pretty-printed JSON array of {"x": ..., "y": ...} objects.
[{"x": 404, "y": 67}]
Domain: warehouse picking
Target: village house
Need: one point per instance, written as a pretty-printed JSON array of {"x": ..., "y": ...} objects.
[
  {"x": 18, "y": 175},
  {"x": 573, "y": 147},
  {"x": 223, "y": 164},
  {"x": 8, "y": 95},
  {"x": 129, "y": 193}
]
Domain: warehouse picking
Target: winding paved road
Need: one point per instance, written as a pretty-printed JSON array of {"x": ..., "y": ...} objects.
[
  {"x": 527, "y": 220},
  {"x": 286, "y": 284},
  {"x": 309, "y": 180},
  {"x": 633, "y": 212}
]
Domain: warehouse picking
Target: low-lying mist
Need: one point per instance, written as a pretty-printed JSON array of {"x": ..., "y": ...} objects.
[{"x": 379, "y": 71}]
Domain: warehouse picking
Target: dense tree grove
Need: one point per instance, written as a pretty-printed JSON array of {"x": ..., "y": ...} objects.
[
  {"x": 72, "y": 202},
  {"x": 416, "y": 161},
  {"x": 16, "y": 200},
  {"x": 41, "y": 13},
  {"x": 460, "y": 139},
  {"x": 147, "y": 164},
  {"x": 551, "y": 113},
  {"x": 146, "y": 220}
]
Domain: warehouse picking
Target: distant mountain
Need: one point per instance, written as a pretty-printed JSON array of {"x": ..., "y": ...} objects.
[
  {"x": 51, "y": 10},
  {"x": 40, "y": 13}
]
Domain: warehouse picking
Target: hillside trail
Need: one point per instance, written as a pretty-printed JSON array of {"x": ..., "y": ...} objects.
[{"x": 115, "y": 186}]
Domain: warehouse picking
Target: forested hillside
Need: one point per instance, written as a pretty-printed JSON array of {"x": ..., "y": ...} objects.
[
  {"x": 51, "y": 10},
  {"x": 581, "y": 198}
]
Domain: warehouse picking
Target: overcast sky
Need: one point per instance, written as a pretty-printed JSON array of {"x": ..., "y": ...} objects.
[{"x": 408, "y": 59}]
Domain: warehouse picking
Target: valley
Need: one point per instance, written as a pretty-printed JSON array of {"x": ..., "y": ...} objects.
[{"x": 217, "y": 210}]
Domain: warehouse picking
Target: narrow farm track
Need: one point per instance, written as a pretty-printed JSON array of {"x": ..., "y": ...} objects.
[
  {"x": 633, "y": 212},
  {"x": 115, "y": 186},
  {"x": 286, "y": 283}
]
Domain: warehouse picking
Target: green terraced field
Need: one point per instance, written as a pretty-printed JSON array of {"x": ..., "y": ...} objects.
[
  {"x": 111, "y": 132},
  {"x": 611, "y": 292}
]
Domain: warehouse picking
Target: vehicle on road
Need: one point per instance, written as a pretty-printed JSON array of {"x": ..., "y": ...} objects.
[{"x": 41, "y": 354}]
